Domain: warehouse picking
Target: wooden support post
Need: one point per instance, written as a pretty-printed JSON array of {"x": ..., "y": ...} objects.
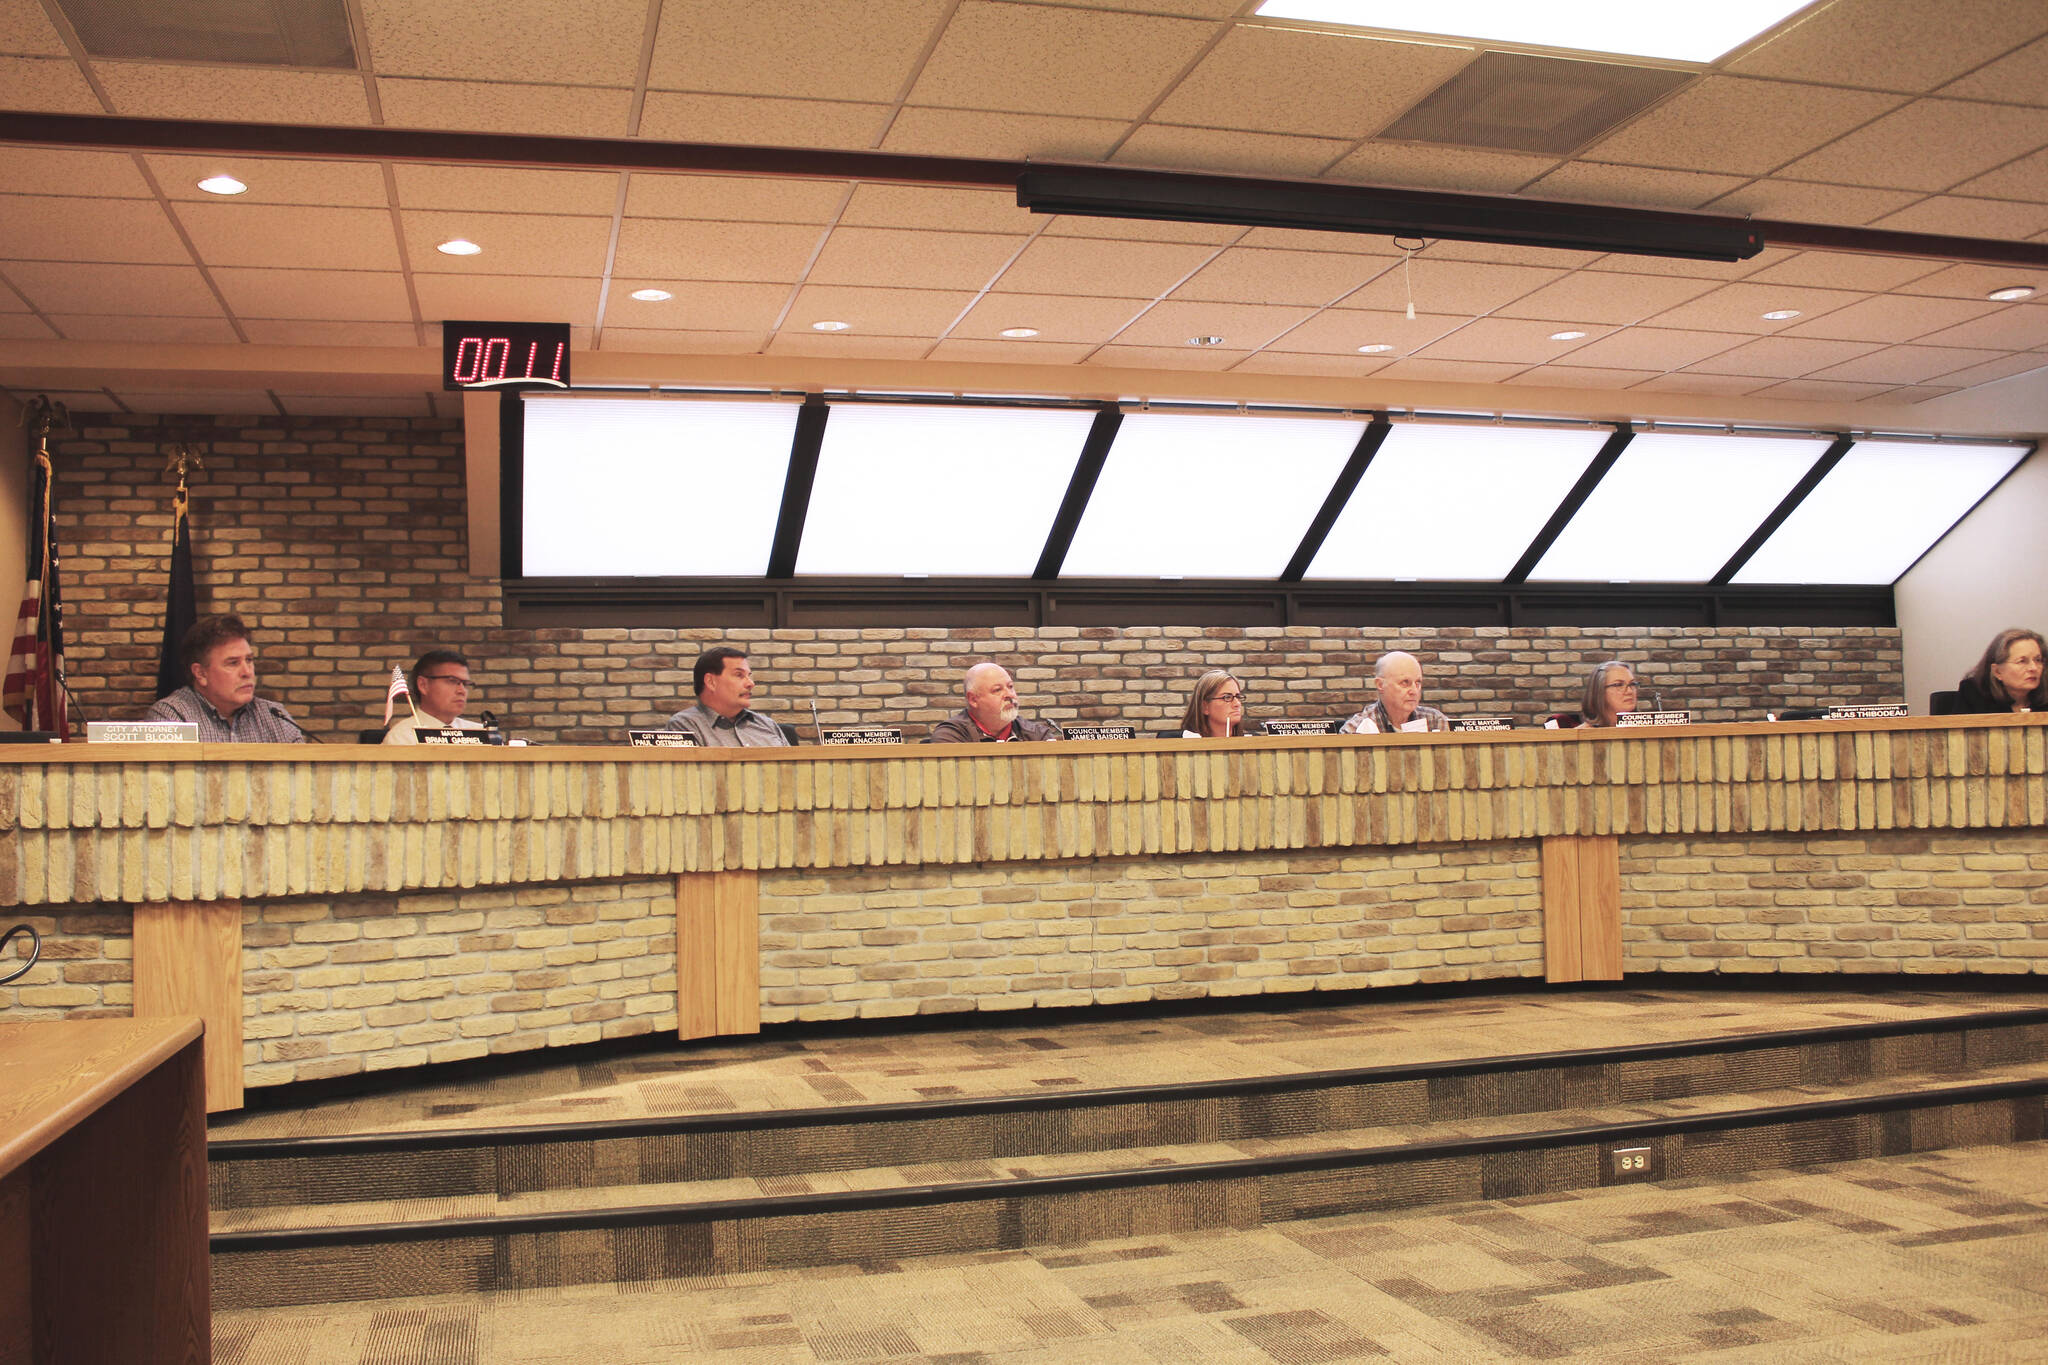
[
  {"x": 1582, "y": 908},
  {"x": 718, "y": 953},
  {"x": 188, "y": 960}
]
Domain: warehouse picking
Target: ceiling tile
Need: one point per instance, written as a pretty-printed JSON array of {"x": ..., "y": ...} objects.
[
  {"x": 1884, "y": 45},
  {"x": 1844, "y": 270},
  {"x": 1194, "y": 9},
  {"x": 665, "y": 249},
  {"x": 2026, "y": 178},
  {"x": 1892, "y": 318},
  {"x": 1712, "y": 385},
  {"x": 2017, "y": 78},
  {"x": 1822, "y": 391},
  {"x": 1653, "y": 348},
  {"x": 1167, "y": 357},
  {"x": 1585, "y": 182},
  {"x": 1783, "y": 357},
  {"x": 1320, "y": 84},
  {"x": 1908, "y": 364},
  {"x": 1075, "y": 265},
  {"x": 1026, "y": 59},
  {"x": 1919, "y": 393},
  {"x": 10, "y": 302},
  {"x": 47, "y": 85},
  {"x": 1449, "y": 371},
  {"x": 1741, "y": 308},
  {"x": 877, "y": 312},
  {"x": 513, "y": 243},
  {"x": 1321, "y": 366},
  {"x": 50, "y": 228},
  {"x": 1039, "y": 352},
  {"x": 1505, "y": 340},
  {"x": 2014, "y": 327},
  {"x": 311, "y": 295},
  {"x": 846, "y": 346},
  {"x": 126, "y": 327},
  {"x": 1341, "y": 331},
  {"x": 143, "y": 290},
  {"x": 731, "y": 198},
  {"x": 1058, "y": 318},
  {"x": 1578, "y": 377},
  {"x": 913, "y": 259},
  {"x": 1975, "y": 281},
  {"x": 494, "y": 189},
  {"x": 1243, "y": 326},
  {"x": 255, "y": 94},
  {"x": 279, "y": 235},
  {"x": 1254, "y": 275},
  {"x": 761, "y": 122},
  {"x": 1742, "y": 127},
  {"x": 299, "y": 332},
  {"x": 1993, "y": 370},
  {"x": 1216, "y": 149},
  {"x": 1005, "y": 137},
  {"x": 507, "y": 298},
  {"x": 593, "y": 42},
  {"x": 355, "y": 405},
  {"x": 661, "y": 341},
  {"x": 211, "y": 402},
  {"x": 1954, "y": 216},
  {"x": 832, "y": 49},
  {"x": 1930, "y": 145},
  {"x": 1799, "y": 201},
  {"x": 1604, "y": 296},
  {"x": 935, "y": 206},
  {"x": 340, "y": 184},
  {"x": 1439, "y": 286},
  {"x": 26, "y": 30},
  {"x": 697, "y": 306},
  {"x": 1440, "y": 168},
  {"x": 99, "y": 174},
  {"x": 24, "y": 327},
  {"x": 473, "y": 106}
]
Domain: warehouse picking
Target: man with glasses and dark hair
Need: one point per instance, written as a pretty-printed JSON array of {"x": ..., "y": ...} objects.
[
  {"x": 1398, "y": 677},
  {"x": 721, "y": 719},
  {"x": 440, "y": 691}
]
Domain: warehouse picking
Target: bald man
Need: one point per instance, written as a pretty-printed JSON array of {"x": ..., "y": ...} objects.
[
  {"x": 1398, "y": 676},
  {"x": 991, "y": 713}
]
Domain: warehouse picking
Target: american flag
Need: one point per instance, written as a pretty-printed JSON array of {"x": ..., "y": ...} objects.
[
  {"x": 34, "y": 692},
  {"x": 395, "y": 691}
]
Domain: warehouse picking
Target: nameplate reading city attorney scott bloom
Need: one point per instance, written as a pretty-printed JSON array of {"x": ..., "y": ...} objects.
[{"x": 141, "y": 732}]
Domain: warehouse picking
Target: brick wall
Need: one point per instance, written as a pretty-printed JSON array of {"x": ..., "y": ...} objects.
[
  {"x": 1907, "y": 902},
  {"x": 871, "y": 944},
  {"x": 342, "y": 541},
  {"x": 86, "y": 969}
]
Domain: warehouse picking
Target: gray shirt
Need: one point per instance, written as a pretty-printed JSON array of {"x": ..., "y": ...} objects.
[
  {"x": 748, "y": 730},
  {"x": 260, "y": 722}
]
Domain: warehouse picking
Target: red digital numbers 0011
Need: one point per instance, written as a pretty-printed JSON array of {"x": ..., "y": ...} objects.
[{"x": 488, "y": 360}]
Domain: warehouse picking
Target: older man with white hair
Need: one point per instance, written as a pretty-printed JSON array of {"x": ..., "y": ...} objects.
[
  {"x": 1398, "y": 676},
  {"x": 990, "y": 716}
]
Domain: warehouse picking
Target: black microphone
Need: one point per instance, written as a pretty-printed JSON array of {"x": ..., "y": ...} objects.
[{"x": 281, "y": 714}]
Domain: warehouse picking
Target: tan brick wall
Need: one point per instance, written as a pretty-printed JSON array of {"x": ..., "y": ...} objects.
[
  {"x": 343, "y": 542},
  {"x": 868, "y": 944},
  {"x": 1916, "y": 902},
  {"x": 334, "y": 987},
  {"x": 86, "y": 970}
]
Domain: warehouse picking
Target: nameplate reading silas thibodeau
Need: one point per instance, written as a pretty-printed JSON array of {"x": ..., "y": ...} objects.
[
  {"x": 1890, "y": 710},
  {"x": 456, "y": 734},
  {"x": 865, "y": 734},
  {"x": 661, "y": 739},
  {"x": 1482, "y": 723},
  {"x": 1282, "y": 728},
  {"x": 141, "y": 731},
  {"x": 1099, "y": 731},
  {"x": 1632, "y": 719}
]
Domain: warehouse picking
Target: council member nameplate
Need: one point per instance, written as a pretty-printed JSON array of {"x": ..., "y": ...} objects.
[
  {"x": 1634, "y": 719},
  {"x": 1099, "y": 731},
  {"x": 141, "y": 732},
  {"x": 864, "y": 734},
  {"x": 1284, "y": 728}
]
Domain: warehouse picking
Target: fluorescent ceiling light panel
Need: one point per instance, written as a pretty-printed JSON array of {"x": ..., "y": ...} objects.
[
  {"x": 1454, "y": 503},
  {"x": 1675, "y": 508},
  {"x": 652, "y": 488},
  {"x": 1879, "y": 510},
  {"x": 1198, "y": 496},
  {"x": 1635, "y": 28},
  {"x": 968, "y": 492}
]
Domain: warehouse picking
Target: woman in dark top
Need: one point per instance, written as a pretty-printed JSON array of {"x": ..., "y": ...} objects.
[
  {"x": 1216, "y": 711},
  {"x": 2008, "y": 678},
  {"x": 1610, "y": 692}
]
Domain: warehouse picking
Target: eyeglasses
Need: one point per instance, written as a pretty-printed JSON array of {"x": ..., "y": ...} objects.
[
  {"x": 1621, "y": 687},
  {"x": 446, "y": 678},
  {"x": 1228, "y": 696}
]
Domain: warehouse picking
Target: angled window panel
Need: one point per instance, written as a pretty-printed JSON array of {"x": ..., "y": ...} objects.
[
  {"x": 1675, "y": 507},
  {"x": 651, "y": 488},
  {"x": 961, "y": 492},
  {"x": 1880, "y": 509},
  {"x": 1198, "y": 496},
  {"x": 1453, "y": 502}
]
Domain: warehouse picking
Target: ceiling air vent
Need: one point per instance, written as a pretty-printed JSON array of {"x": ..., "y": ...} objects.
[
  {"x": 1510, "y": 101},
  {"x": 303, "y": 33}
]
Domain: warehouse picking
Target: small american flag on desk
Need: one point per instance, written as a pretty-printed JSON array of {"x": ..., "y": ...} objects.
[{"x": 395, "y": 691}]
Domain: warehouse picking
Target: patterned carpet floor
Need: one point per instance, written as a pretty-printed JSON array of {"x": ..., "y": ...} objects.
[{"x": 1940, "y": 1256}]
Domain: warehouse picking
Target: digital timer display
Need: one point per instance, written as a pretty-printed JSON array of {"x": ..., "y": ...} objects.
[{"x": 504, "y": 355}]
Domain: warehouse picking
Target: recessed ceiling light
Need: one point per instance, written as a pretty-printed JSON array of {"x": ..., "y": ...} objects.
[
  {"x": 1205, "y": 341},
  {"x": 222, "y": 184},
  {"x": 459, "y": 246},
  {"x": 1019, "y": 333},
  {"x": 2011, "y": 292},
  {"x": 1566, "y": 336},
  {"x": 1375, "y": 348},
  {"x": 1780, "y": 314},
  {"x": 831, "y": 326},
  {"x": 652, "y": 295},
  {"x": 1685, "y": 33}
]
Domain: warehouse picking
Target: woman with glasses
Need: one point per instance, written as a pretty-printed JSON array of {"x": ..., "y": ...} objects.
[
  {"x": 1610, "y": 692},
  {"x": 1216, "y": 711}
]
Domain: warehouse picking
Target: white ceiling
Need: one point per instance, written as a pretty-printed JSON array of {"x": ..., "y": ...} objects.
[{"x": 1926, "y": 117}]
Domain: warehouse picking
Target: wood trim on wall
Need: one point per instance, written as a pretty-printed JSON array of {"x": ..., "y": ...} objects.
[{"x": 188, "y": 961}]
